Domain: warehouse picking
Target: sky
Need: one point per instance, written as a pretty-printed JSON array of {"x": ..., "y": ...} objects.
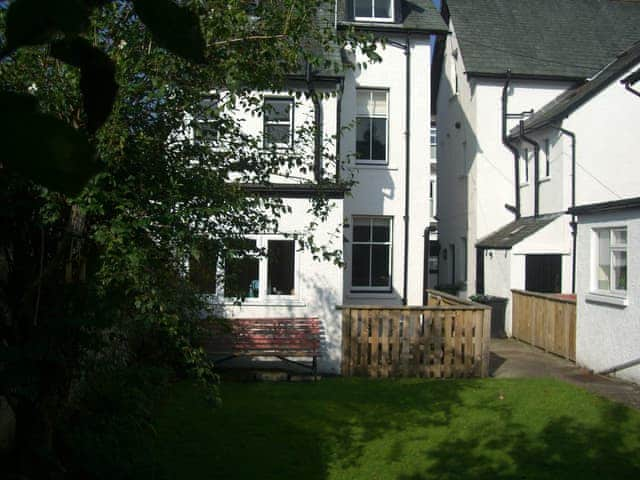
[{"x": 437, "y": 3}]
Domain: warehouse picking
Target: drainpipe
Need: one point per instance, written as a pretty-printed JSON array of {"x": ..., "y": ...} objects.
[
  {"x": 407, "y": 134},
  {"x": 339, "y": 128},
  {"x": 508, "y": 144},
  {"x": 407, "y": 52},
  {"x": 536, "y": 169},
  {"x": 574, "y": 223},
  {"x": 317, "y": 134}
]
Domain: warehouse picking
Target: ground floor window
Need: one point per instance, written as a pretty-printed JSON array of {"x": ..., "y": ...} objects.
[
  {"x": 260, "y": 267},
  {"x": 371, "y": 254},
  {"x": 611, "y": 260}
]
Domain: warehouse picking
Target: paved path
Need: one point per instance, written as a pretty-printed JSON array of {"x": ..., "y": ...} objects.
[{"x": 513, "y": 359}]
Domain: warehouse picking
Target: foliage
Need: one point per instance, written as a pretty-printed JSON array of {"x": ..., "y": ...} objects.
[
  {"x": 403, "y": 429},
  {"x": 104, "y": 193}
]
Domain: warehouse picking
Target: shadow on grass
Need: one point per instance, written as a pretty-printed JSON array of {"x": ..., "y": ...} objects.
[{"x": 405, "y": 430}]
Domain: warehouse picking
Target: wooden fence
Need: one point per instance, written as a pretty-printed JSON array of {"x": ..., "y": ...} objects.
[
  {"x": 545, "y": 321},
  {"x": 441, "y": 340}
]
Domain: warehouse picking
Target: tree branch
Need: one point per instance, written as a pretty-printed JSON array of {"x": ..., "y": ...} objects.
[{"x": 248, "y": 39}]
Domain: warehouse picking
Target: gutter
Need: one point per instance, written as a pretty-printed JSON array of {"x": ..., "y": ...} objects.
[
  {"x": 536, "y": 169},
  {"x": 507, "y": 143},
  {"x": 630, "y": 80}
]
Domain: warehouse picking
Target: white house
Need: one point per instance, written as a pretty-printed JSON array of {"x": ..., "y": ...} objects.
[
  {"x": 608, "y": 287},
  {"x": 505, "y": 60},
  {"x": 380, "y": 224}
]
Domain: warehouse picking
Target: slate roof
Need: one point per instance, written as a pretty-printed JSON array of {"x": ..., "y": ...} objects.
[
  {"x": 516, "y": 231},
  {"x": 569, "y": 101},
  {"x": 419, "y": 16},
  {"x": 570, "y": 39}
]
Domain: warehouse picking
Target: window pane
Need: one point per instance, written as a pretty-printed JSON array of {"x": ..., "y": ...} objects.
[
  {"x": 361, "y": 258},
  {"x": 363, "y": 98},
  {"x": 363, "y": 138},
  {"x": 361, "y": 230},
  {"x": 380, "y": 230},
  {"x": 281, "y": 267},
  {"x": 277, "y": 134},
  {"x": 620, "y": 237},
  {"x": 379, "y": 102},
  {"x": 604, "y": 260},
  {"x": 202, "y": 270},
  {"x": 380, "y": 266},
  {"x": 241, "y": 271},
  {"x": 379, "y": 144},
  {"x": 363, "y": 8},
  {"x": 277, "y": 110},
  {"x": 619, "y": 270},
  {"x": 383, "y": 8}
]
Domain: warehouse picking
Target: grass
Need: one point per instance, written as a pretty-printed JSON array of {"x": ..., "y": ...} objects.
[{"x": 397, "y": 429}]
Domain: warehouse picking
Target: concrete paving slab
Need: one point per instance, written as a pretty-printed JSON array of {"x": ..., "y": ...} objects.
[{"x": 513, "y": 359}]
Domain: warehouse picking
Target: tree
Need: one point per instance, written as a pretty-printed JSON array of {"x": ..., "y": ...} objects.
[{"x": 103, "y": 195}]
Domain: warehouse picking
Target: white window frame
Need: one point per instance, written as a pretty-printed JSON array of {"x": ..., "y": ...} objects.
[
  {"x": 595, "y": 261},
  {"x": 524, "y": 167},
  {"x": 433, "y": 141},
  {"x": 364, "y": 161},
  {"x": 264, "y": 298},
  {"x": 290, "y": 122},
  {"x": 370, "y": 288},
  {"x": 545, "y": 167},
  {"x": 373, "y": 18}
]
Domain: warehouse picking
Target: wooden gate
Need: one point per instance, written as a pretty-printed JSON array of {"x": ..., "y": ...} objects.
[
  {"x": 546, "y": 321},
  {"x": 440, "y": 341}
]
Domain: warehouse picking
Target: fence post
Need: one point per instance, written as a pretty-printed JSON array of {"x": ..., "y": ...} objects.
[{"x": 486, "y": 339}]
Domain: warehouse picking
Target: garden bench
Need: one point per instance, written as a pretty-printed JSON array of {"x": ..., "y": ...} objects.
[{"x": 268, "y": 337}]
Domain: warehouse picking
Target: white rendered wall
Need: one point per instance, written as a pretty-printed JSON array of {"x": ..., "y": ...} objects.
[
  {"x": 252, "y": 123},
  {"x": 319, "y": 284},
  {"x": 475, "y": 170},
  {"x": 380, "y": 189},
  {"x": 608, "y": 335}
]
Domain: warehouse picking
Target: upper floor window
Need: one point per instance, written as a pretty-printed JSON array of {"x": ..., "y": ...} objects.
[
  {"x": 434, "y": 142},
  {"x": 371, "y": 126},
  {"x": 545, "y": 168},
  {"x": 373, "y": 9},
  {"x": 524, "y": 167},
  {"x": 611, "y": 260},
  {"x": 278, "y": 122}
]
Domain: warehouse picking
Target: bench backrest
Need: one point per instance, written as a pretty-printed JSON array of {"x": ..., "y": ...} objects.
[{"x": 286, "y": 337}]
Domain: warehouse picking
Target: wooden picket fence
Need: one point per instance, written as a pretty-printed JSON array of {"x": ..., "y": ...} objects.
[
  {"x": 545, "y": 321},
  {"x": 449, "y": 338}
]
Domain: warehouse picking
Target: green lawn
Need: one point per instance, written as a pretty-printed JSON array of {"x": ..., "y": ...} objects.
[{"x": 397, "y": 429}]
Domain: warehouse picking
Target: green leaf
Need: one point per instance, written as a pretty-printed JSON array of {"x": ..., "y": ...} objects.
[
  {"x": 174, "y": 27},
  {"x": 33, "y": 22},
  {"x": 97, "y": 77},
  {"x": 44, "y": 149}
]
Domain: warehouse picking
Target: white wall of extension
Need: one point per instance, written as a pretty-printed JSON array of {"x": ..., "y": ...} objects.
[{"x": 608, "y": 328}]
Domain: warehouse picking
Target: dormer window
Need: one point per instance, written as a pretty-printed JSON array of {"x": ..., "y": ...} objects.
[{"x": 373, "y": 10}]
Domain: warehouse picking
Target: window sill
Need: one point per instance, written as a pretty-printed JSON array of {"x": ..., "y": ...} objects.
[
  {"x": 374, "y": 19},
  {"x": 371, "y": 295},
  {"x": 375, "y": 166},
  {"x": 544, "y": 180},
  {"x": 258, "y": 302},
  {"x": 607, "y": 299}
]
